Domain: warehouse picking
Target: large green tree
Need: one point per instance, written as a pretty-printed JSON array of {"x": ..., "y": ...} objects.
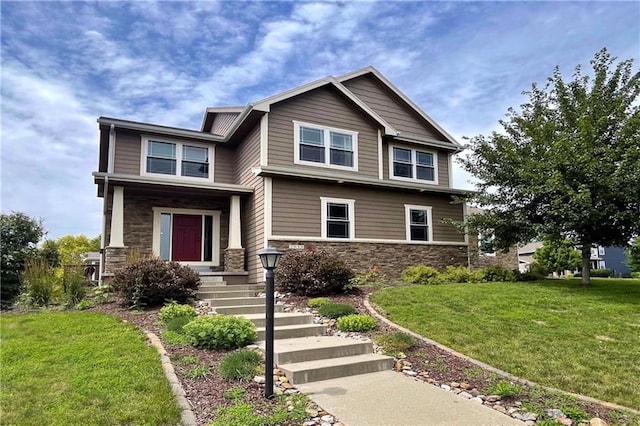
[
  {"x": 19, "y": 235},
  {"x": 567, "y": 165},
  {"x": 558, "y": 256}
]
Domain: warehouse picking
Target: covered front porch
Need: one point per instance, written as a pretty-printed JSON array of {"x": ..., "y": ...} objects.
[{"x": 198, "y": 227}]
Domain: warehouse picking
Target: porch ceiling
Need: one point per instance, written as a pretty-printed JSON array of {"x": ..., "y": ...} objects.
[{"x": 167, "y": 186}]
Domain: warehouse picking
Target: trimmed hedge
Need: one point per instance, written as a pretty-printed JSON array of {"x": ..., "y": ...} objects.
[{"x": 312, "y": 273}]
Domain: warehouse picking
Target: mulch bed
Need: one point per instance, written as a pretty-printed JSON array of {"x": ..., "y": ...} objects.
[{"x": 206, "y": 395}]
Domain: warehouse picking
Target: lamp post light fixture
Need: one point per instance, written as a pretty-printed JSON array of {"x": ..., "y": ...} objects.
[{"x": 269, "y": 258}]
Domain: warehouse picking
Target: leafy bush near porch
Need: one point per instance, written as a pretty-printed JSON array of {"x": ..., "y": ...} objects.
[
  {"x": 312, "y": 273},
  {"x": 221, "y": 332},
  {"x": 336, "y": 310},
  {"x": 174, "y": 310},
  {"x": 356, "y": 323},
  {"x": 151, "y": 282},
  {"x": 461, "y": 274}
]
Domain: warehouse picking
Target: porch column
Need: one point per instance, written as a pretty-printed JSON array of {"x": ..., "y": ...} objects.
[
  {"x": 117, "y": 218},
  {"x": 234, "y": 253},
  {"x": 235, "y": 241}
]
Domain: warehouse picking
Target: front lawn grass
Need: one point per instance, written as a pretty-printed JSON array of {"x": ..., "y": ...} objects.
[
  {"x": 80, "y": 368},
  {"x": 554, "y": 332}
]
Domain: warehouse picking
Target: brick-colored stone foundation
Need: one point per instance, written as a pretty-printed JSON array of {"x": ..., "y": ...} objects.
[
  {"x": 234, "y": 260},
  {"x": 114, "y": 258},
  {"x": 508, "y": 260},
  {"x": 392, "y": 259}
]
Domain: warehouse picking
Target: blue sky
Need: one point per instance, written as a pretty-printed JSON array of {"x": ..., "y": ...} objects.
[{"x": 66, "y": 63}]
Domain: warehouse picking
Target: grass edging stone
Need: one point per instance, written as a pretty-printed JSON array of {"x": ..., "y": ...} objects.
[
  {"x": 490, "y": 368},
  {"x": 186, "y": 414}
]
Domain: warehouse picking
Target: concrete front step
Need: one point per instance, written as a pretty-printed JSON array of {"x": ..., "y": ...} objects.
[
  {"x": 246, "y": 309},
  {"x": 319, "y": 347},
  {"x": 280, "y": 318},
  {"x": 292, "y": 331},
  {"x": 208, "y": 294},
  {"x": 331, "y": 368},
  {"x": 230, "y": 287},
  {"x": 236, "y": 301}
]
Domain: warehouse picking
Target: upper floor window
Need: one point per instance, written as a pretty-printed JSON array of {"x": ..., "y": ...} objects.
[
  {"x": 325, "y": 146},
  {"x": 413, "y": 164},
  {"x": 418, "y": 223},
  {"x": 337, "y": 218},
  {"x": 181, "y": 159}
]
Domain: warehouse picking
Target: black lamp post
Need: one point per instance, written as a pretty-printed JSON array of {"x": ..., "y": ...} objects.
[{"x": 269, "y": 258}]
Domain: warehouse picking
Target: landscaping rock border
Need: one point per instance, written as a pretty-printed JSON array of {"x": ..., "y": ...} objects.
[
  {"x": 490, "y": 368},
  {"x": 187, "y": 417}
]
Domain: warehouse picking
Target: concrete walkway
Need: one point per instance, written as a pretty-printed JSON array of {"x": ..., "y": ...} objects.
[{"x": 391, "y": 398}]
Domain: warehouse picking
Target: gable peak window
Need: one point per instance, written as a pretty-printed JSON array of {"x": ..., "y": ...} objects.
[
  {"x": 175, "y": 158},
  {"x": 413, "y": 164},
  {"x": 418, "y": 223},
  {"x": 325, "y": 146},
  {"x": 338, "y": 218}
]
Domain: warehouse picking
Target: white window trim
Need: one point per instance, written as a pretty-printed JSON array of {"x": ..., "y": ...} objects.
[
  {"x": 352, "y": 225},
  {"x": 414, "y": 164},
  {"x": 215, "y": 243},
  {"x": 407, "y": 220},
  {"x": 179, "y": 144},
  {"x": 327, "y": 146}
]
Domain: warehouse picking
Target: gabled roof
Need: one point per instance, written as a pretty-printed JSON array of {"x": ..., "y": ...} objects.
[{"x": 381, "y": 78}]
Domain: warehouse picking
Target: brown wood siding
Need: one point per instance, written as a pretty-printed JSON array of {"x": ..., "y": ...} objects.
[
  {"x": 379, "y": 213},
  {"x": 222, "y": 122},
  {"x": 390, "y": 107},
  {"x": 443, "y": 162},
  {"x": 224, "y": 168},
  {"x": 127, "y": 153},
  {"x": 247, "y": 156},
  {"x": 324, "y": 107}
]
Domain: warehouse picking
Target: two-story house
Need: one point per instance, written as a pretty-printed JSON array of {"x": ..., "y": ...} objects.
[{"x": 348, "y": 164}]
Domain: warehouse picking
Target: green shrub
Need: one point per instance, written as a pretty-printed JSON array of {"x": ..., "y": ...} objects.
[
  {"x": 575, "y": 414},
  {"x": 174, "y": 310},
  {"x": 235, "y": 393},
  {"x": 635, "y": 275},
  {"x": 317, "y": 302},
  {"x": 74, "y": 284},
  {"x": 240, "y": 365},
  {"x": 497, "y": 274},
  {"x": 101, "y": 293},
  {"x": 177, "y": 324},
  {"x": 336, "y": 310},
  {"x": 395, "y": 342},
  {"x": 600, "y": 273},
  {"x": 421, "y": 274},
  {"x": 84, "y": 304},
  {"x": 221, "y": 332},
  {"x": 312, "y": 273},
  {"x": 373, "y": 277},
  {"x": 39, "y": 282},
  {"x": 356, "y": 322},
  {"x": 530, "y": 276},
  {"x": 461, "y": 274},
  {"x": 151, "y": 282},
  {"x": 505, "y": 389},
  {"x": 197, "y": 372}
]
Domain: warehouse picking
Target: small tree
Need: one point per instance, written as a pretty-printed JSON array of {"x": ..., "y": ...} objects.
[
  {"x": 633, "y": 255},
  {"x": 72, "y": 247},
  {"x": 558, "y": 256},
  {"x": 19, "y": 235},
  {"x": 566, "y": 165}
]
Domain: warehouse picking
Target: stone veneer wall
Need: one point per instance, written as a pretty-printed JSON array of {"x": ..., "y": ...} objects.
[
  {"x": 508, "y": 260},
  {"x": 234, "y": 260},
  {"x": 392, "y": 259},
  {"x": 114, "y": 258}
]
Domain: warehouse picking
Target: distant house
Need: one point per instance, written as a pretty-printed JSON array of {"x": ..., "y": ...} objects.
[
  {"x": 348, "y": 164},
  {"x": 481, "y": 251},
  {"x": 612, "y": 258}
]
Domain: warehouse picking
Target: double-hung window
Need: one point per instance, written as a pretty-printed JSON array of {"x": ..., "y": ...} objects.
[
  {"x": 413, "y": 164},
  {"x": 418, "y": 223},
  {"x": 172, "y": 158},
  {"x": 325, "y": 146},
  {"x": 338, "y": 218}
]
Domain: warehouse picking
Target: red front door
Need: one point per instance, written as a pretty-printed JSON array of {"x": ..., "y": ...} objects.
[{"x": 187, "y": 237}]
